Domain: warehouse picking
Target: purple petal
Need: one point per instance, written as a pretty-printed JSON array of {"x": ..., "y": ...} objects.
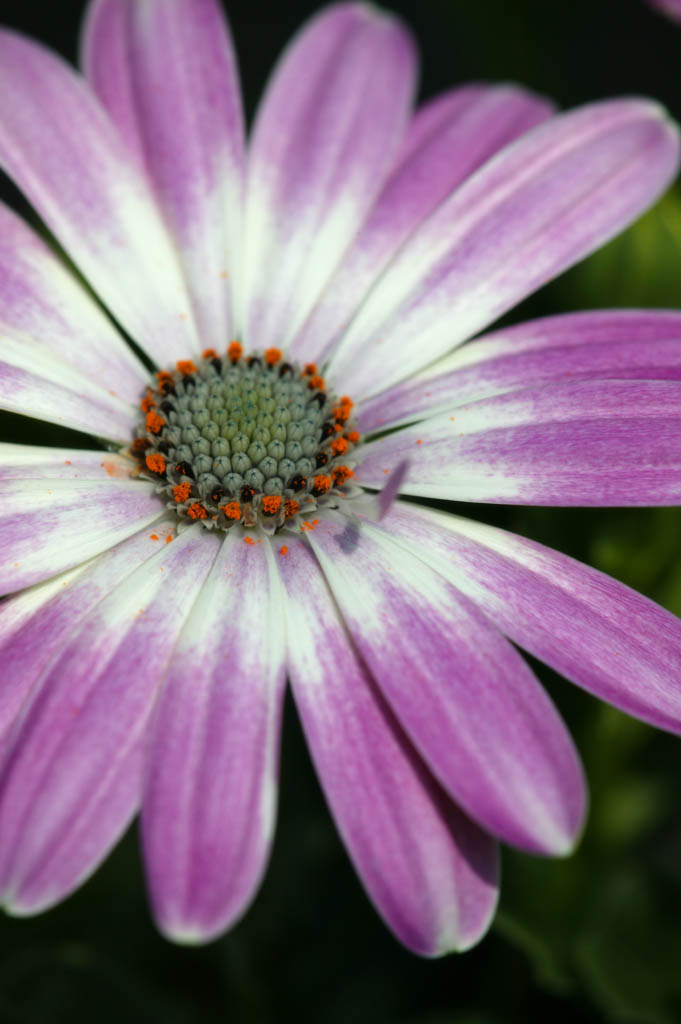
[
  {"x": 447, "y": 141},
  {"x": 431, "y": 873},
  {"x": 63, "y": 152},
  {"x": 72, "y": 777},
  {"x": 35, "y": 624},
  {"x": 166, "y": 72},
  {"x": 49, "y": 525},
  {"x": 40, "y": 299},
  {"x": 670, "y": 7},
  {"x": 325, "y": 136},
  {"x": 614, "y": 344},
  {"x": 592, "y": 442},
  {"x": 599, "y": 633},
  {"x": 211, "y": 782},
  {"x": 36, "y": 382},
  {"x": 536, "y": 208},
  {"x": 466, "y": 699},
  {"x": 31, "y": 462}
]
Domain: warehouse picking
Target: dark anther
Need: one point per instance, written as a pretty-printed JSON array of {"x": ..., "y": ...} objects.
[
  {"x": 285, "y": 370},
  {"x": 185, "y": 469},
  {"x": 189, "y": 381},
  {"x": 297, "y": 482},
  {"x": 327, "y": 430},
  {"x": 318, "y": 491},
  {"x": 321, "y": 459},
  {"x": 253, "y": 361},
  {"x": 166, "y": 388},
  {"x": 319, "y": 398},
  {"x": 217, "y": 365},
  {"x": 217, "y": 494},
  {"x": 246, "y": 494},
  {"x": 163, "y": 446},
  {"x": 167, "y": 407}
]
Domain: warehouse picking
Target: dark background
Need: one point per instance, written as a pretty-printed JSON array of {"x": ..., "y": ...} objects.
[{"x": 593, "y": 938}]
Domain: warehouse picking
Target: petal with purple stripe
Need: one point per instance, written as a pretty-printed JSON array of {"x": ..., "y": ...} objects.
[
  {"x": 539, "y": 206},
  {"x": 326, "y": 133},
  {"x": 64, "y": 153},
  {"x": 592, "y": 442},
  {"x": 431, "y": 873},
  {"x": 465, "y": 697},
  {"x": 36, "y": 382},
  {"x": 166, "y": 72},
  {"x": 448, "y": 139},
  {"x": 49, "y": 525},
  {"x": 210, "y": 793},
  {"x": 594, "y": 630},
  {"x": 71, "y": 779},
  {"x": 616, "y": 344},
  {"x": 35, "y": 624},
  {"x": 42, "y": 300}
]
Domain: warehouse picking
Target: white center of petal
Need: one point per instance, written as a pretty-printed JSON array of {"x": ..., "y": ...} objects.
[{"x": 252, "y": 440}]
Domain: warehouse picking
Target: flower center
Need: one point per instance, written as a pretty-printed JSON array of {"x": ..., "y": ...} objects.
[{"x": 252, "y": 440}]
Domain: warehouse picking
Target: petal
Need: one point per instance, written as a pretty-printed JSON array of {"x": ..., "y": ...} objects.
[
  {"x": 41, "y": 299},
  {"x": 72, "y": 777},
  {"x": 63, "y": 152},
  {"x": 166, "y": 72},
  {"x": 430, "y": 872},
  {"x": 539, "y": 206},
  {"x": 35, "y": 382},
  {"x": 469, "y": 703},
  {"x": 447, "y": 141},
  {"x": 618, "y": 344},
  {"x": 602, "y": 635},
  {"x": 35, "y": 624},
  {"x": 49, "y": 525},
  {"x": 32, "y": 462},
  {"x": 325, "y": 136},
  {"x": 211, "y": 782},
  {"x": 591, "y": 442}
]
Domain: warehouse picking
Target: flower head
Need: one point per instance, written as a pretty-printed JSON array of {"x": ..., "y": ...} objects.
[{"x": 305, "y": 310}]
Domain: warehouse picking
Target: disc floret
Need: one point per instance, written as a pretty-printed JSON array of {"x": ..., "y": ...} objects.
[{"x": 250, "y": 439}]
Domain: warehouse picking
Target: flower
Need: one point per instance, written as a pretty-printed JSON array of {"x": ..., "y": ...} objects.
[
  {"x": 671, "y": 7},
  {"x": 305, "y": 308}
]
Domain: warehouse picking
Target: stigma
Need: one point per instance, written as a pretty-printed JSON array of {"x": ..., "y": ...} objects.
[{"x": 246, "y": 439}]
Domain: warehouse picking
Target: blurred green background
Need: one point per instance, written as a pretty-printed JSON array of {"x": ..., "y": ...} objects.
[{"x": 593, "y": 938}]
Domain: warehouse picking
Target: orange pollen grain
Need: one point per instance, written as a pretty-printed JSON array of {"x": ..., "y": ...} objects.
[
  {"x": 232, "y": 510},
  {"x": 283, "y": 549},
  {"x": 290, "y": 508},
  {"x": 169, "y": 537},
  {"x": 248, "y": 540},
  {"x": 234, "y": 351},
  {"x": 153, "y": 536},
  {"x": 271, "y": 504},
  {"x": 341, "y": 473},
  {"x": 353, "y": 437},
  {"x": 154, "y": 422},
  {"x": 316, "y": 382},
  {"x": 139, "y": 444},
  {"x": 339, "y": 446},
  {"x": 197, "y": 511},
  {"x": 164, "y": 375},
  {"x": 147, "y": 402},
  {"x": 321, "y": 484},
  {"x": 156, "y": 462},
  {"x": 341, "y": 412},
  {"x": 209, "y": 353},
  {"x": 309, "y": 370},
  {"x": 272, "y": 356},
  {"x": 185, "y": 366},
  {"x": 181, "y": 492}
]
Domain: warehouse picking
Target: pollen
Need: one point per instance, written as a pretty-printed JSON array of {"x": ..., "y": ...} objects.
[
  {"x": 156, "y": 462},
  {"x": 233, "y": 437},
  {"x": 181, "y": 492}
]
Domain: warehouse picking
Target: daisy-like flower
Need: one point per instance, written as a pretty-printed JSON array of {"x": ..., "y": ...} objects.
[{"x": 305, "y": 302}]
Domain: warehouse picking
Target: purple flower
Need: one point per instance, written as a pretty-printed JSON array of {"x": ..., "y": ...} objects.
[
  {"x": 671, "y": 7},
  {"x": 163, "y": 590}
]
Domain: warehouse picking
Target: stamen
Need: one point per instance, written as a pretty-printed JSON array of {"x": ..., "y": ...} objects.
[{"x": 246, "y": 439}]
